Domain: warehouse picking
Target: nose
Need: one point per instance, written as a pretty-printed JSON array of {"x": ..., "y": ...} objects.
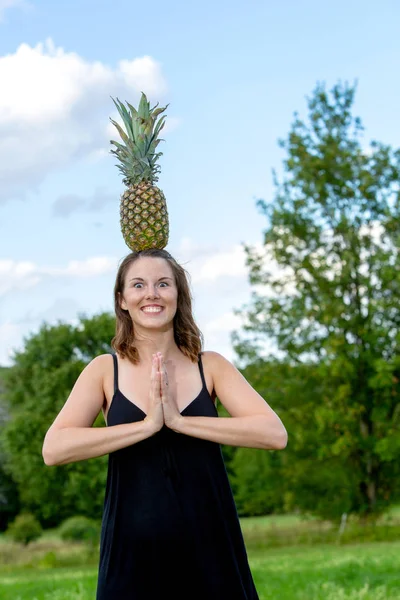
[{"x": 152, "y": 292}]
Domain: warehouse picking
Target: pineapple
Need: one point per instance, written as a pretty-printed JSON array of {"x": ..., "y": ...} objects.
[{"x": 143, "y": 209}]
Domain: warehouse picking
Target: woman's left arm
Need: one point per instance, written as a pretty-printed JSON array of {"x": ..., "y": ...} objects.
[{"x": 252, "y": 422}]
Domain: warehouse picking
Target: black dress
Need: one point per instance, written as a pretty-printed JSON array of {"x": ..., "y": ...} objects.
[{"x": 170, "y": 528}]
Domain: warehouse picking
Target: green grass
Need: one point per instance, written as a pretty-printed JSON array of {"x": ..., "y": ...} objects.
[
  {"x": 360, "y": 572},
  {"x": 54, "y": 584},
  {"x": 288, "y": 555}
]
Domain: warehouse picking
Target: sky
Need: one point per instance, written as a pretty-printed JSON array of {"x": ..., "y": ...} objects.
[{"x": 232, "y": 75}]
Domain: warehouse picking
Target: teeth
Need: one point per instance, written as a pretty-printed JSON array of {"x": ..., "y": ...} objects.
[{"x": 152, "y": 309}]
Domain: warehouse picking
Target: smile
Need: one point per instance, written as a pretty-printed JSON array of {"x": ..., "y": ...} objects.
[{"x": 152, "y": 309}]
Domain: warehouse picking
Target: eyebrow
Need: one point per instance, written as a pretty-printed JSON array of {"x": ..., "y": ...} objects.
[{"x": 140, "y": 278}]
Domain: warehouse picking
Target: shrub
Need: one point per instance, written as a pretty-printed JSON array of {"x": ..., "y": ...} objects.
[
  {"x": 24, "y": 529},
  {"x": 80, "y": 529},
  {"x": 48, "y": 561}
]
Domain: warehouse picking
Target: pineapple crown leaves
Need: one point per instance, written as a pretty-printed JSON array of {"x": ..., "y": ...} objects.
[{"x": 137, "y": 154}]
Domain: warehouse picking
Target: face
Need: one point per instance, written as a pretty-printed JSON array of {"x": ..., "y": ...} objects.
[{"x": 150, "y": 293}]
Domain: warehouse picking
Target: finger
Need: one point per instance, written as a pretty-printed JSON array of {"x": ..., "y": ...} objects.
[
  {"x": 163, "y": 372},
  {"x": 161, "y": 365},
  {"x": 155, "y": 378},
  {"x": 154, "y": 367},
  {"x": 164, "y": 386}
]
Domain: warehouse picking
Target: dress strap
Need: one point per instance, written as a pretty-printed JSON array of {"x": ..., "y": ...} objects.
[
  {"x": 202, "y": 371},
  {"x": 115, "y": 372}
]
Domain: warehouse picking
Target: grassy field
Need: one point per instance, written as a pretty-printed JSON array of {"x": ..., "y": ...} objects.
[{"x": 341, "y": 570}]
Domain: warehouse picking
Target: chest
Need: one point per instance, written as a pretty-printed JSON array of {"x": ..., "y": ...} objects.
[{"x": 134, "y": 382}]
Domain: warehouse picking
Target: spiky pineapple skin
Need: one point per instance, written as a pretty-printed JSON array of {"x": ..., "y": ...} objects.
[{"x": 144, "y": 217}]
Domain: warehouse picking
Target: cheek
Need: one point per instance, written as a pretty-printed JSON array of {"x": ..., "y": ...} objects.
[{"x": 171, "y": 295}]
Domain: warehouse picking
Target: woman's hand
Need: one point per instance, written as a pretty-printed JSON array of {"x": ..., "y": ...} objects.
[
  {"x": 155, "y": 414},
  {"x": 170, "y": 409}
]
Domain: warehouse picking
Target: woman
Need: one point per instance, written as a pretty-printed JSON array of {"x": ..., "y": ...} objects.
[{"x": 170, "y": 526}]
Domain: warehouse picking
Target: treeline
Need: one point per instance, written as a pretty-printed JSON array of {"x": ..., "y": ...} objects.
[
  {"x": 320, "y": 341},
  {"x": 315, "y": 474}
]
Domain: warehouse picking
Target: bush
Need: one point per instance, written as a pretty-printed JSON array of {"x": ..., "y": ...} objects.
[
  {"x": 24, "y": 529},
  {"x": 80, "y": 529},
  {"x": 48, "y": 561}
]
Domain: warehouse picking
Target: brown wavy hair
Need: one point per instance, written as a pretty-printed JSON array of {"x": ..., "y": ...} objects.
[{"x": 188, "y": 336}]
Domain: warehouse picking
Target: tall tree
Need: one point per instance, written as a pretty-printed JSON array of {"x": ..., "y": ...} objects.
[
  {"x": 9, "y": 500},
  {"x": 36, "y": 387},
  {"x": 329, "y": 273}
]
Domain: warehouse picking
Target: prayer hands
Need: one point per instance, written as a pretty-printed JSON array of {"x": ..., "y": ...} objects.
[
  {"x": 162, "y": 409},
  {"x": 170, "y": 409},
  {"x": 155, "y": 414}
]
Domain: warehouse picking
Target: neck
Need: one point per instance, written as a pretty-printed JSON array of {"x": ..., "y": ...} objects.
[{"x": 150, "y": 342}]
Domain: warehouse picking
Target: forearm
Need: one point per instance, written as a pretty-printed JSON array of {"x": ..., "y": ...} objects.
[
  {"x": 72, "y": 444},
  {"x": 256, "y": 431}
]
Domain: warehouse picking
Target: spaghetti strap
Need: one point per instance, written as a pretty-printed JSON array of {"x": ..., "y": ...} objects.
[
  {"x": 115, "y": 372},
  {"x": 202, "y": 372}
]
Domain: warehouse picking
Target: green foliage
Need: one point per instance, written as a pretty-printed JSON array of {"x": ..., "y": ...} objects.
[
  {"x": 36, "y": 387},
  {"x": 328, "y": 282},
  {"x": 49, "y": 560},
  {"x": 9, "y": 497},
  {"x": 24, "y": 529},
  {"x": 228, "y": 452},
  {"x": 255, "y": 478},
  {"x": 80, "y": 529}
]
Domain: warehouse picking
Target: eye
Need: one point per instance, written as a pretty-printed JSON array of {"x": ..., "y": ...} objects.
[
  {"x": 163, "y": 283},
  {"x": 137, "y": 283}
]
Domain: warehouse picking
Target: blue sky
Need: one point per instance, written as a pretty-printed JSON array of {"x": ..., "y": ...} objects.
[{"x": 233, "y": 74}]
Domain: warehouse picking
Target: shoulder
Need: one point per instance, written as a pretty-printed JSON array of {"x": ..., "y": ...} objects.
[
  {"x": 100, "y": 365},
  {"x": 213, "y": 357},
  {"x": 215, "y": 363},
  {"x": 102, "y": 361},
  {"x": 233, "y": 390},
  {"x": 101, "y": 369}
]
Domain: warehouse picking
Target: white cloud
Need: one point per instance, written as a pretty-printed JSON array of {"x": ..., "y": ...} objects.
[
  {"x": 14, "y": 333},
  {"x": 10, "y": 336},
  {"x": 217, "y": 333},
  {"x": 229, "y": 262},
  {"x": 206, "y": 263},
  {"x": 6, "y": 4},
  {"x": 226, "y": 322},
  {"x": 91, "y": 267},
  {"x": 221, "y": 267},
  {"x": 65, "y": 115},
  {"x": 61, "y": 308},
  {"x": 144, "y": 75},
  {"x": 18, "y": 276}
]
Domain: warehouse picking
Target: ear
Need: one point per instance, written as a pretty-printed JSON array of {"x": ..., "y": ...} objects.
[{"x": 122, "y": 302}]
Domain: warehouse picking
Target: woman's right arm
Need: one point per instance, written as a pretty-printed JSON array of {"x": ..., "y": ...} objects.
[{"x": 72, "y": 438}]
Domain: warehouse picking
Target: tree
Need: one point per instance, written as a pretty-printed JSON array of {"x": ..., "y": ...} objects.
[
  {"x": 9, "y": 499},
  {"x": 36, "y": 387},
  {"x": 329, "y": 274}
]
